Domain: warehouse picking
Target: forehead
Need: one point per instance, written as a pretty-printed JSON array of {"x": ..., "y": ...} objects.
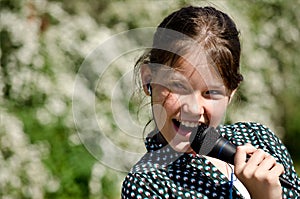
[
  {"x": 194, "y": 67},
  {"x": 194, "y": 64}
]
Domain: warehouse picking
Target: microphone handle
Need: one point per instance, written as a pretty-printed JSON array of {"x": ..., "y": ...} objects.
[{"x": 225, "y": 150}]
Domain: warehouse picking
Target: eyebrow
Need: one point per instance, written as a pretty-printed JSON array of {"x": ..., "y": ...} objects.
[
  {"x": 217, "y": 85},
  {"x": 179, "y": 74}
]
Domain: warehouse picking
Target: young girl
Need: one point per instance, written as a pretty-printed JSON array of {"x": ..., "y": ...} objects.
[{"x": 191, "y": 74}]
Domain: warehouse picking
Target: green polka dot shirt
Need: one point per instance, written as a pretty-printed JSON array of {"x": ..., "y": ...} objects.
[{"x": 165, "y": 173}]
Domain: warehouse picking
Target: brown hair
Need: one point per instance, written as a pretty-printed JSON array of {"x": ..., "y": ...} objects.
[{"x": 212, "y": 29}]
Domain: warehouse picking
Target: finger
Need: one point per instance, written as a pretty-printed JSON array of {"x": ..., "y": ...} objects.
[
  {"x": 268, "y": 163},
  {"x": 257, "y": 157},
  {"x": 272, "y": 176},
  {"x": 263, "y": 171},
  {"x": 242, "y": 151},
  {"x": 253, "y": 164},
  {"x": 241, "y": 156},
  {"x": 277, "y": 170},
  {"x": 250, "y": 148}
]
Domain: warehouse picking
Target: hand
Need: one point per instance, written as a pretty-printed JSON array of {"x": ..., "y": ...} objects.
[{"x": 260, "y": 174}]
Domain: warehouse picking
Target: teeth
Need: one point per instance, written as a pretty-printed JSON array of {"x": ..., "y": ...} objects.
[{"x": 189, "y": 124}]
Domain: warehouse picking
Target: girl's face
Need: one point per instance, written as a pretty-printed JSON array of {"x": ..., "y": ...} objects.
[{"x": 184, "y": 97}]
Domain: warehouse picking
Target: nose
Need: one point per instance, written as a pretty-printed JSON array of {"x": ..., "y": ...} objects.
[{"x": 193, "y": 105}]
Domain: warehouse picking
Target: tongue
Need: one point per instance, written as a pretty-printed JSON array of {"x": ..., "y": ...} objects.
[{"x": 184, "y": 129}]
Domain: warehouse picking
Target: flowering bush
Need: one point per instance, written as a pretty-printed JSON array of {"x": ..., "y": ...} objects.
[{"x": 71, "y": 117}]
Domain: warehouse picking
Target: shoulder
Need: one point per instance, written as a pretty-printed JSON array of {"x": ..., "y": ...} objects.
[
  {"x": 146, "y": 178},
  {"x": 132, "y": 182},
  {"x": 249, "y": 132},
  {"x": 133, "y": 186},
  {"x": 245, "y": 127},
  {"x": 144, "y": 184},
  {"x": 259, "y": 136}
]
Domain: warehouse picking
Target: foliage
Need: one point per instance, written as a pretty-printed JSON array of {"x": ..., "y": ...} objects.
[
  {"x": 44, "y": 46},
  {"x": 271, "y": 45},
  {"x": 38, "y": 65}
]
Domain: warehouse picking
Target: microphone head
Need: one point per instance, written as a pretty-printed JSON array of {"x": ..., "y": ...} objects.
[
  {"x": 203, "y": 140},
  {"x": 196, "y": 137},
  {"x": 210, "y": 137}
]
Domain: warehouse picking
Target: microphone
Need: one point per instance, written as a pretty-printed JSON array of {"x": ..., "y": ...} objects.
[{"x": 207, "y": 141}]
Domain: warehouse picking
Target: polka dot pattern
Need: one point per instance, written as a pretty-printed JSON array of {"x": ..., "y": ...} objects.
[{"x": 165, "y": 173}]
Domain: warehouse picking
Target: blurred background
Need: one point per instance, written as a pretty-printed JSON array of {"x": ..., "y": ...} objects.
[{"x": 49, "y": 52}]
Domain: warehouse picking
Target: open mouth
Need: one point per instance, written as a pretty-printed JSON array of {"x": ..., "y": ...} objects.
[{"x": 185, "y": 127}]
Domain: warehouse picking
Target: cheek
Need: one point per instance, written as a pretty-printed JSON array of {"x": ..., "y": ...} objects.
[
  {"x": 163, "y": 96},
  {"x": 165, "y": 104},
  {"x": 160, "y": 115},
  {"x": 217, "y": 112}
]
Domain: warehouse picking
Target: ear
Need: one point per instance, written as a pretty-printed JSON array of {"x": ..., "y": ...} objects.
[
  {"x": 231, "y": 95},
  {"x": 146, "y": 76}
]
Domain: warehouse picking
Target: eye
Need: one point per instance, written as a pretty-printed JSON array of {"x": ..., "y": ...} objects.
[
  {"x": 214, "y": 94},
  {"x": 179, "y": 87}
]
